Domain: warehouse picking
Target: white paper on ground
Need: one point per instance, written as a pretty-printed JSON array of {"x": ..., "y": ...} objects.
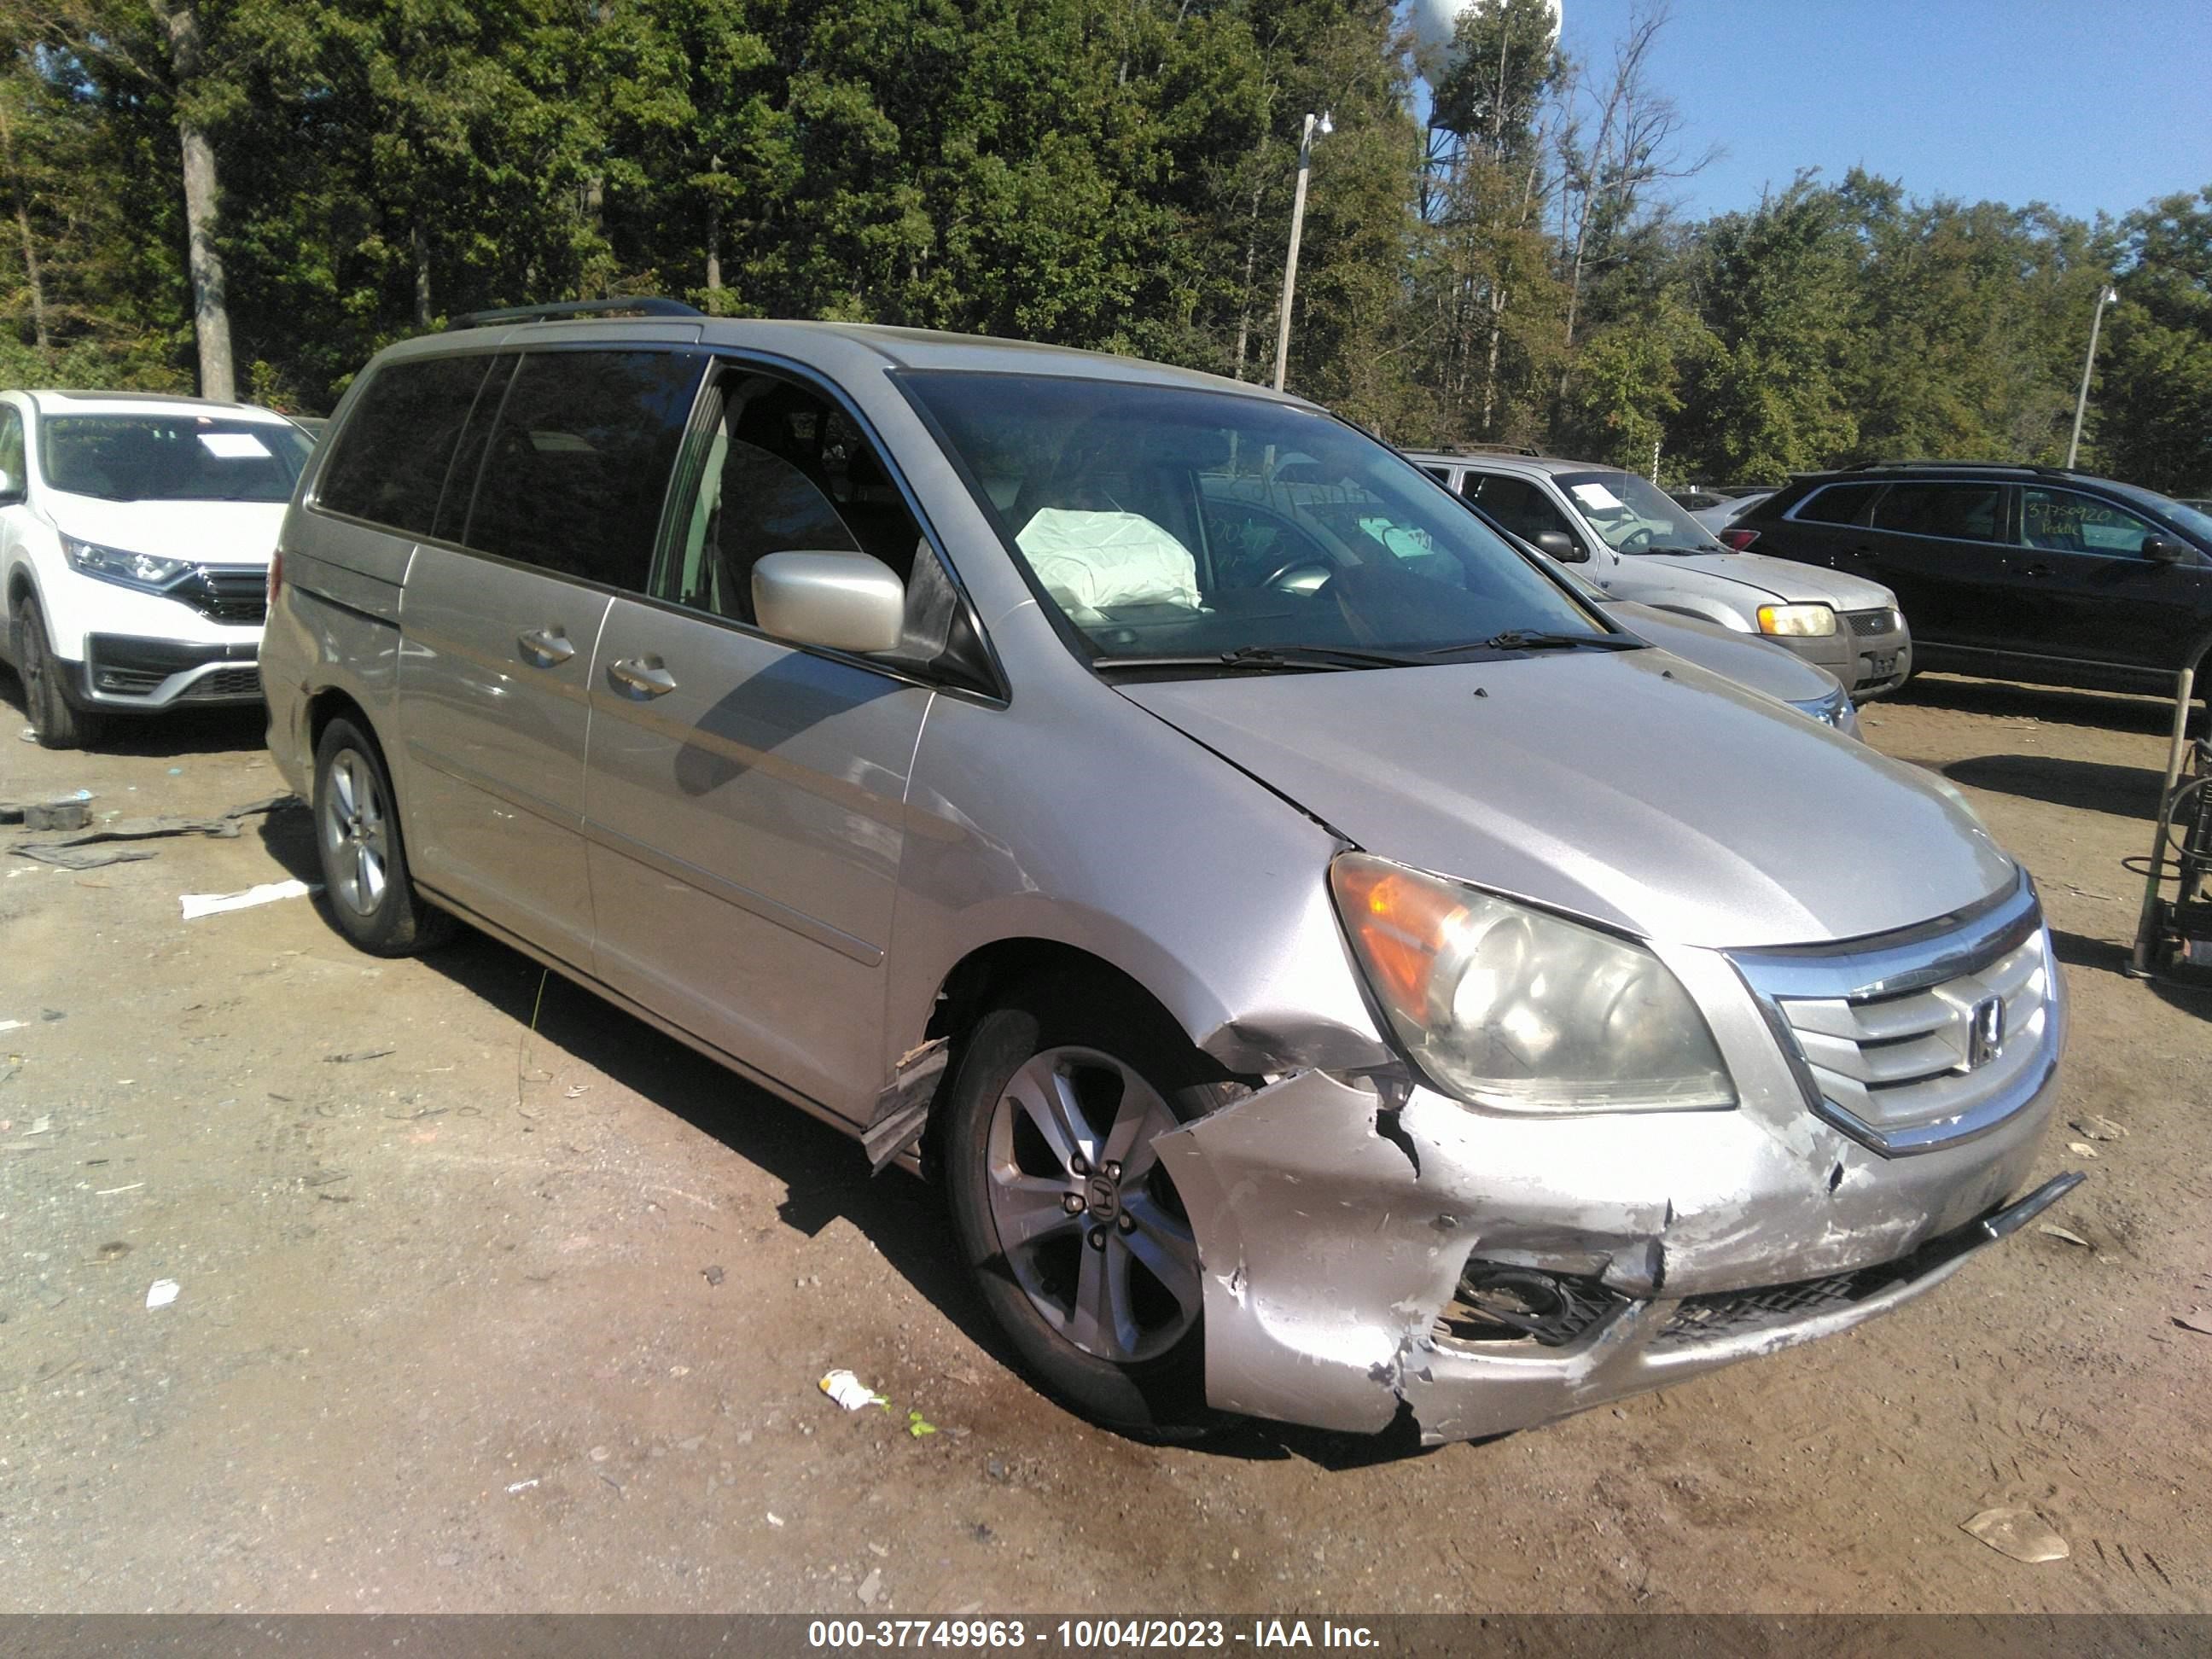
[
  {"x": 234, "y": 446},
  {"x": 1598, "y": 496},
  {"x": 1094, "y": 561},
  {"x": 163, "y": 1292},
  {"x": 209, "y": 904}
]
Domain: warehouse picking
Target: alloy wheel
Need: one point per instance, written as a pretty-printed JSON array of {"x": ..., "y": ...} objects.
[
  {"x": 1087, "y": 1219},
  {"x": 356, "y": 834}
]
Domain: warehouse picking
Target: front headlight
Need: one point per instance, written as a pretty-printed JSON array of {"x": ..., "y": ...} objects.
[
  {"x": 1519, "y": 1010},
  {"x": 1797, "y": 621},
  {"x": 150, "y": 571},
  {"x": 1835, "y": 709}
]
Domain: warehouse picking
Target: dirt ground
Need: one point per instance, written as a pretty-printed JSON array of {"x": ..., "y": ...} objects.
[{"x": 506, "y": 1320}]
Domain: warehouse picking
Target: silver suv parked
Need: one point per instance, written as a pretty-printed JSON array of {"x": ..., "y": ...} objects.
[
  {"x": 1628, "y": 536},
  {"x": 1152, "y": 806}
]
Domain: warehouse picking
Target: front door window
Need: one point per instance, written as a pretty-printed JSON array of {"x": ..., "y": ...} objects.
[{"x": 2067, "y": 521}]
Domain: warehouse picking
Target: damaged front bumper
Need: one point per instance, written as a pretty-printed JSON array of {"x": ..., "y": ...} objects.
[{"x": 1341, "y": 1224}]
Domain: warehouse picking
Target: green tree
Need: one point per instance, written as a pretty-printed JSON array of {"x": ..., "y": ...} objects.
[{"x": 2154, "y": 395}]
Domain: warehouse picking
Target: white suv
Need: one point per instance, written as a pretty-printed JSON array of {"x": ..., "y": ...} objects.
[{"x": 135, "y": 536}]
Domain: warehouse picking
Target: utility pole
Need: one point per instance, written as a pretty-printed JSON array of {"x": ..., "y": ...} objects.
[
  {"x": 1298, "y": 229},
  {"x": 2110, "y": 296}
]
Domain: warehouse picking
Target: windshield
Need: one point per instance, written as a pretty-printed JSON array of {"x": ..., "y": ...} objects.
[
  {"x": 1635, "y": 515},
  {"x": 172, "y": 457},
  {"x": 2197, "y": 524},
  {"x": 1172, "y": 522}
]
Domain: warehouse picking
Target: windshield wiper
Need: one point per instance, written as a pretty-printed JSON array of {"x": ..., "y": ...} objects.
[
  {"x": 1523, "y": 639},
  {"x": 1266, "y": 658},
  {"x": 1683, "y": 547}
]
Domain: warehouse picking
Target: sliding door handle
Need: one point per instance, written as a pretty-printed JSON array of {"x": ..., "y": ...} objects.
[{"x": 546, "y": 648}]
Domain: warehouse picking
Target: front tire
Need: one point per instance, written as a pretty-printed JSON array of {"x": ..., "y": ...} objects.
[
  {"x": 1080, "y": 1245},
  {"x": 55, "y": 722},
  {"x": 362, "y": 853}
]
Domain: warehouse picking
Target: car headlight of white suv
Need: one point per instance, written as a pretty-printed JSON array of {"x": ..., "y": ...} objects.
[
  {"x": 151, "y": 573},
  {"x": 1797, "y": 621},
  {"x": 1514, "y": 1010}
]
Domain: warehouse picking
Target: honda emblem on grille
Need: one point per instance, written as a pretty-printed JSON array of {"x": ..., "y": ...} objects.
[{"x": 1987, "y": 1034}]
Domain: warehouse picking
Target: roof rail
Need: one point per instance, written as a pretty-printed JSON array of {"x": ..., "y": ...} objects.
[
  {"x": 1486, "y": 449},
  {"x": 1959, "y": 466},
  {"x": 640, "y": 305}
]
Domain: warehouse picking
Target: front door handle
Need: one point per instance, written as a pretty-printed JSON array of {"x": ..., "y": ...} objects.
[
  {"x": 642, "y": 677},
  {"x": 2037, "y": 569},
  {"x": 546, "y": 648}
]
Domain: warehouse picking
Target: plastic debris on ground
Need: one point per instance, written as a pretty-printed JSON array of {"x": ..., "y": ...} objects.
[
  {"x": 161, "y": 1293},
  {"x": 916, "y": 1427},
  {"x": 848, "y": 1391},
  {"x": 2082, "y": 1149},
  {"x": 2100, "y": 1128},
  {"x": 78, "y": 851},
  {"x": 2070, "y": 1239},
  {"x": 197, "y": 905},
  {"x": 2020, "y": 1534}
]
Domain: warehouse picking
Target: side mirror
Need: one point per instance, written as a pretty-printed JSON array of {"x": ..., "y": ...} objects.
[
  {"x": 845, "y": 601},
  {"x": 2163, "y": 551},
  {"x": 11, "y": 489},
  {"x": 1561, "y": 546}
]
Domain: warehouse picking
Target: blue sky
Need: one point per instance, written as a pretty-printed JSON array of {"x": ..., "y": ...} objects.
[{"x": 2084, "y": 105}]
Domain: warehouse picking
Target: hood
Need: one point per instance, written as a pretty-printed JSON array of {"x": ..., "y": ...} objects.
[
  {"x": 1747, "y": 660},
  {"x": 206, "y": 532},
  {"x": 1780, "y": 578},
  {"x": 1630, "y": 788}
]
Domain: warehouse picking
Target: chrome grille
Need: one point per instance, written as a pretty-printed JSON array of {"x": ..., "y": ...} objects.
[
  {"x": 1928, "y": 1038},
  {"x": 226, "y": 593},
  {"x": 1873, "y": 622}
]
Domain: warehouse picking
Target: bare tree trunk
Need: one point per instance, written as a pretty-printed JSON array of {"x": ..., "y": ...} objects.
[
  {"x": 1244, "y": 305},
  {"x": 714, "y": 242},
  {"x": 32, "y": 275},
  {"x": 422, "y": 251},
  {"x": 1489, "y": 374},
  {"x": 211, "y": 308}
]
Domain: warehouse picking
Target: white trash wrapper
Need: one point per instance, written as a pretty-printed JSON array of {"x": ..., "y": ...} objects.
[
  {"x": 1096, "y": 561},
  {"x": 848, "y": 1391}
]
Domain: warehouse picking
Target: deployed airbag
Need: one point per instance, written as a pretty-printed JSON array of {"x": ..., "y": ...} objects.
[{"x": 1097, "y": 561}]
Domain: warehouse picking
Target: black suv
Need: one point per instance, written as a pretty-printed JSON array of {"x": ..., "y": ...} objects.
[{"x": 2021, "y": 573}]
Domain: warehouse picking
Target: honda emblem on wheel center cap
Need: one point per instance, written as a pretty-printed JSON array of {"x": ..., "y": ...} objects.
[{"x": 1105, "y": 1198}]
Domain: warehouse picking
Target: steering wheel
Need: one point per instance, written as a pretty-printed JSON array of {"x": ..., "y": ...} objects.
[
  {"x": 1640, "y": 537},
  {"x": 1276, "y": 578}
]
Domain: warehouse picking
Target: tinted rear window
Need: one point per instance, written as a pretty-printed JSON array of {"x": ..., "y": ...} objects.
[
  {"x": 1966, "y": 512},
  {"x": 391, "y": 458},
  {"x": 576, "y": 468},
  {"x": 1838, "y": 504}
]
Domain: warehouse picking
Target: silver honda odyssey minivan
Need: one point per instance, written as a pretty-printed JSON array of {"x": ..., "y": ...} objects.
[{"x": 1335, "y": 973}]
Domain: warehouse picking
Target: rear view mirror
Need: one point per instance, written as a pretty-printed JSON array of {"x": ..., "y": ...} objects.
[
  {"x": 2164, "y": 551},
  {"x": 1561, "y": 546},
  {"x": 11, "y": 489},
  {"x": 845, "y": 601}
]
